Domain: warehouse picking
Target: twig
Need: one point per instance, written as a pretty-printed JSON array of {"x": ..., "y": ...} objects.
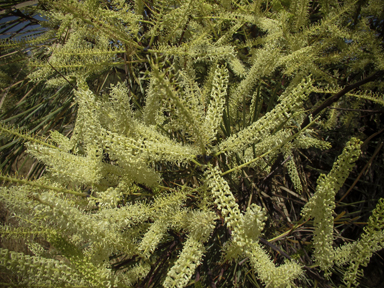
[
  {"x": 357, "y": 110},
  {"x": 337, "y": 96},
  {"x": 366, "y": 141},
  {"x": 74, "y": 87}
]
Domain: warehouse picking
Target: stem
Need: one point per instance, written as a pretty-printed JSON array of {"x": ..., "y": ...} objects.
[
  {"x": 34, "y": 184},
  {"x": 337, "y": 96},
  {"x": 26, "y": 137}
]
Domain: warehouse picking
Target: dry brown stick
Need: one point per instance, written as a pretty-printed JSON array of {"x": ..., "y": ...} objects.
[
  {"x": 366, "y": 141},
  {"x": 337, "y": 96},
  {"x": 74, "y": 87}
]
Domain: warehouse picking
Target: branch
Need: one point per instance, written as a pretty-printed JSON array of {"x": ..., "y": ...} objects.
[
  {"x": 337, "y": 96},
  {"x": 62, "y": 75}
]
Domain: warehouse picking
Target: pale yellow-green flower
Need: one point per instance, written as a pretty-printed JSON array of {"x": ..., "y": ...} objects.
[
  {"x": 321, "y": 205},
  {"x": 358, "y": 253},
  {"x": 189, "y": 259},
  {"x": 214, "y": 114},
  {"x": 272, "y": 276},
  {"x": 263, "y": 127},
  {"x": 225, "y": 201}
]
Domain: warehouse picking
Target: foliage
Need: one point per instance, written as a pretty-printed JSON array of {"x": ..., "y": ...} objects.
[{"x": 173, "y": 173}]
